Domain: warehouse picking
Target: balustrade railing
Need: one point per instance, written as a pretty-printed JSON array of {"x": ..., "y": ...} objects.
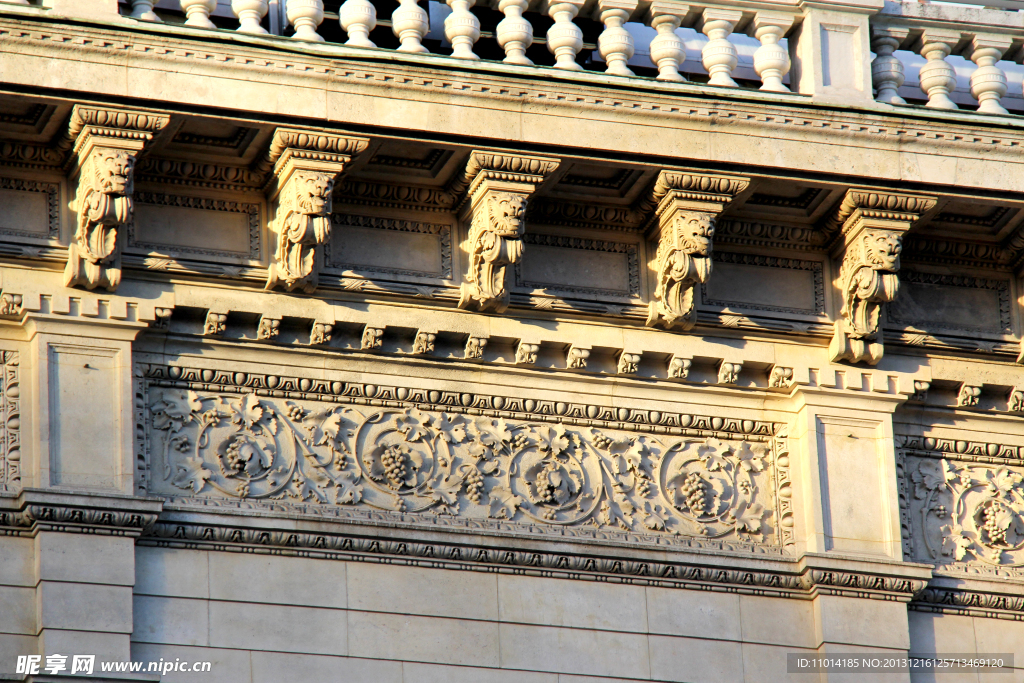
[{"x": 959, "y": 53}]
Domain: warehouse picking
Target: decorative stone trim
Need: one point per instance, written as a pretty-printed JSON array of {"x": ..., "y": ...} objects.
[
  {"x": 52, "y": 191},
  {"x": 969, "y": 603}
]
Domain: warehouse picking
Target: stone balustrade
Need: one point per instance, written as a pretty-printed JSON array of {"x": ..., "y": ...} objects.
[
  {"x": 990, "y": 38},
  {"x": 851, "y": 50}
]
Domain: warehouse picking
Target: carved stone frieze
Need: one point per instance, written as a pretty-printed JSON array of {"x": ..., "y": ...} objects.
[
  {"x": 104, "y": 146},
  {"x": 963, "y": 513},
  {"x": 10, "y": 422},
  {"x": 497, "y": 187},
  {"x": 868, "y": 229},
  {"x": 687, "y": 206},
  {"x": 699, "y": 482},
  {"x": 303, "y": 168}
]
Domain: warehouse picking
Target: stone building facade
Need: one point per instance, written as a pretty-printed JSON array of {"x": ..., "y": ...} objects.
[{"x": 518, "y": 341}]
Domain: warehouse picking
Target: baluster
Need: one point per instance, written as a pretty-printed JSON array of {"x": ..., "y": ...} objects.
[
  {"x": 937, "y": 77},
  {"x": 988, "y": 82},
  {"x": 719, "y": 55},
  {"x": 887, "y": 70},
  {"x": 250, "y": 13},
  {"x": 515, "y": 32},
  {"x": 141, "y": 9},
  {"x": 771, "y": 61},
  {"x": 462, "y": 29},
  {"x": 615, "y": 44},
  {"x": 305, "y": 16},
  {"x": 358, "y": 18},
  {"x": 197, "y": 12},
  {"x": 409, "y": 23},
  {"x": 565, "y": 39},
  {"x": 667, "y": 49}
]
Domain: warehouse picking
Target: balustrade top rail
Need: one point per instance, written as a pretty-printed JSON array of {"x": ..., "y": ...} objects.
[{"x": 847, "y": 49}]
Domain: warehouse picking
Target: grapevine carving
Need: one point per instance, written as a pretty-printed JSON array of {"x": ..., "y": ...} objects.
[
  {"x": 966, "y": 513},
  {"x": 410, "y": 460}
]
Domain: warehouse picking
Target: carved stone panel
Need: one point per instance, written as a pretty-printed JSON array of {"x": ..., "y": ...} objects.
[
  {"x": 952, "y": 303},
  {"x": 195, "y": 227},
  {"x": 766, "y": 283},
  {"x": 567, "y": 266},
  {"x": 416, "y": 248},
  {"x": 429, "y": 457},
  {"x": 962, "y": 505},
  {"x": 10, "y": 422},
  {"x": 29, "y": 208}
]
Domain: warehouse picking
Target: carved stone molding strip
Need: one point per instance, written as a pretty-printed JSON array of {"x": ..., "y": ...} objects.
[
  {"x": 443, "y": 231},
  {"x": 771, "y": 262},
  {"x": 225, "y": 537},
  {"x": 252, "y": 212},
  {"x": 545, "y": 211},
  {"x": 37, "y": 510},
  {"x": 565, "y": 242},
  {"x": 52, "y": 192},
  {"x": 206, "y": 176},
  {"x": 957, "y": 253},
  {"x": 364, "y": 193},
  {"x": 747, "y": 233},
  {"x": 566, "y": 469},
  {"x": 969, "y": 603},
  {"x": 10, "y": 422},
  {"x": 28, "y": 155}
]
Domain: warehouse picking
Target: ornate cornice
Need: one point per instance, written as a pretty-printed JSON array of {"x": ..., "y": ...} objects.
[
  {"x": 896, "y": 207},
  {"x": 199, "y": 175}
]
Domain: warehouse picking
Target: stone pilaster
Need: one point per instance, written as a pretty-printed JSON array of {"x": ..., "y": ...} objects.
[
  {"x": 303, "y": 169},
  {"x": 104, "y": 145},
  {"x": 497, "y": 188},
  {"x": 687, "y": 206},
  {"x": 867, "y": 233}
]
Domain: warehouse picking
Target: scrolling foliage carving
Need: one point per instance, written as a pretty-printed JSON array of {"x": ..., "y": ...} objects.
[
  {"x": 104, "y": 205},
  {"x": 965, "y": 513},
  {"x": 242, "y": 445}
]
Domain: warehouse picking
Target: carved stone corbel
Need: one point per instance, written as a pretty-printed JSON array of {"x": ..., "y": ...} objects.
[
  {"x": 687, "y": 206},
  {"x": 867, "y": 232},
  {"x": 303, "y": 167},
  {"x": 103, "y": 146},
  {"x": 496, "y": 186}
]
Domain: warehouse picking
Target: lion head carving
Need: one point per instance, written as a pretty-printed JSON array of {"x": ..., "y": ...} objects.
[
  {"x": 882, "y": 250},
  {"x": 507, "y": 212},
  {"x": 695, "y": 232},
  {"x": 112, "y": 172},
  {"x": 313, "y": 193}
]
